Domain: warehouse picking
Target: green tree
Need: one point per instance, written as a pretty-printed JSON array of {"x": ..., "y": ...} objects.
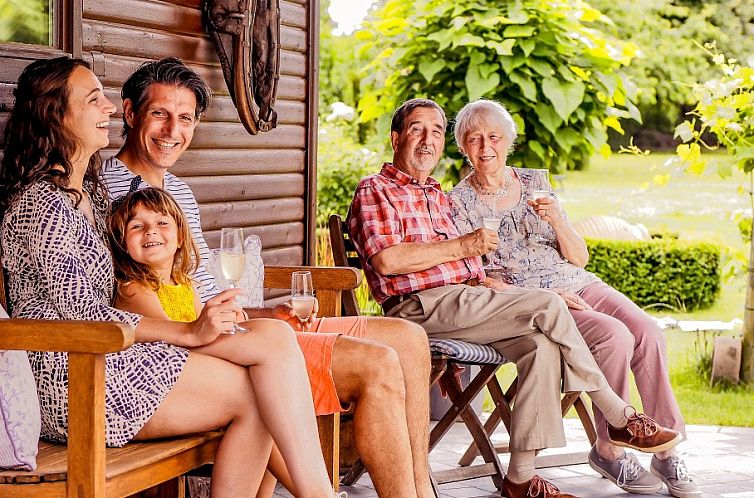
[
  {"x": 725, "y": 108},
  {"x": 548, "y": 61},
  {"x": 667, "y": 33}
]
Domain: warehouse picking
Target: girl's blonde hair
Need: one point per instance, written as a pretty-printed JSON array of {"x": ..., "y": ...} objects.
[{"x": 127, "y": 270}]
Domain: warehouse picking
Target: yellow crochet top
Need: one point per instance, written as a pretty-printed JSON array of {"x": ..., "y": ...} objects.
[{"x": 177, "y": 301}]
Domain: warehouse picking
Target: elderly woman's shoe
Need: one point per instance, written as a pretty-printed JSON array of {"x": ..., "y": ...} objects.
[
  {"x": 535, "y": 488},
  {"x": 672, "y": 471},
  {"x": 643, "y": 434}
]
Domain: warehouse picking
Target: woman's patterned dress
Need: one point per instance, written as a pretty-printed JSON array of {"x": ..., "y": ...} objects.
[
  {"x": 60, "y": 268},
  {"x": 527, "y": 253}
]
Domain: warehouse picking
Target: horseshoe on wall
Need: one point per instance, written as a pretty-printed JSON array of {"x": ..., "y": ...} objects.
[{"x": 246, "y": 34}]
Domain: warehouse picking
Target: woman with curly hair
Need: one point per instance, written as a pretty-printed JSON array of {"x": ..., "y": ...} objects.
[{"x": 59, "y": 266}]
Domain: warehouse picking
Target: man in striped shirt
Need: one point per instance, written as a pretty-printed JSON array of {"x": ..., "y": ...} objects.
[{"x": 379, "y": 364}]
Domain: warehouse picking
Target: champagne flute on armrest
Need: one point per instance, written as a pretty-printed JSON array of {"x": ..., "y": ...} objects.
[
  {"x": 302, "y": 294},
  {"x": 232, "y": 261}
]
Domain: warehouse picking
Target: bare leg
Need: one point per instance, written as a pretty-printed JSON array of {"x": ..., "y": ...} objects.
[
  {"x": 281, "y": 385},
  {"x": 410, "y": 343},
  {"x": 369, "y": 375},
  {"x": 276, "y": 471},
  {"x": 267, "y": 488},
  {"x": 223, "y": 399}
]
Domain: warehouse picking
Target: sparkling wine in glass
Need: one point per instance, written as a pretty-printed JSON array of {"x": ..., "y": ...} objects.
[
  {"x": 302, "y": 294},
  {"x": 538, "y": 236},
  {"x": 491, "y": 207},
  {"x": 232, "y": 261}
]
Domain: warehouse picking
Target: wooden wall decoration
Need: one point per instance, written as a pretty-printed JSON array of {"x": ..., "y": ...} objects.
[{"x": 246, "y": 34}]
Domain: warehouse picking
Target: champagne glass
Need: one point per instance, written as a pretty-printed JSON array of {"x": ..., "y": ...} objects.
[
  {"x": 490, "y": 207},
  {"x": 535, "y": 196},
  {"x": 232, "y": 261},
  {"x": 302, "y": 294}
]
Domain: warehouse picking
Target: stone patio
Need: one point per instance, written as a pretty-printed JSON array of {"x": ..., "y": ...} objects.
[{"x": 721, "y": 460}]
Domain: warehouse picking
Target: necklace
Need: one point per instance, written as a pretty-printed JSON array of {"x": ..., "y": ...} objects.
[{"x": 501, "y": 191}]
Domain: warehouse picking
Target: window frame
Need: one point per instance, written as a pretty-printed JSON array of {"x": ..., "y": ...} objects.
[{"x": 67, "y": 40}]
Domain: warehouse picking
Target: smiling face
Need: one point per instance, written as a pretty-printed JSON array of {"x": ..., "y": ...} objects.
[
  {"x": 418, "y": 146},
  {"x": 88, "y": 113},
  {"x": 486, "y": 147},
  {"x": 152, "y": 239},
  {"x": 161, "y": 129}
]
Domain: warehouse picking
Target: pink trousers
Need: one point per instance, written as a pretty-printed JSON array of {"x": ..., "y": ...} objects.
[{"x": 620, "y": 336}]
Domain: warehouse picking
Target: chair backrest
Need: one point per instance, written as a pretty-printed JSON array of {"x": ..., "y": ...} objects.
[{"x": 344, "y": 254}]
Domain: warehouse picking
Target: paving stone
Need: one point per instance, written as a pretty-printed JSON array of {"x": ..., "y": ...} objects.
[{"x": 721, "y": 460}]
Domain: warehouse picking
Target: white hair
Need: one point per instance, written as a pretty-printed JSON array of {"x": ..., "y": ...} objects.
[{"x": 484, "y": 111}]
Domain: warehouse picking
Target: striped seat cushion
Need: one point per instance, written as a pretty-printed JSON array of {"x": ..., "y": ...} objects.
[{"x": 466, "y": 352}]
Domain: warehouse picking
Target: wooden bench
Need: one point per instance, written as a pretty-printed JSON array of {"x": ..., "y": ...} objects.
[{"x": 85, "y": 468}]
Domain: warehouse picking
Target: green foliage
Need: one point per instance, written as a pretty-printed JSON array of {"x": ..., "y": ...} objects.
[
  {"x": 681, "y": 275},
  {"x": 547, "y": 60},
  {"x": 25, "y": 21},
  {"x": 339, "y": 80},
  {"x": 341, "y": 163},
  {"x": 660, "y": 67},
  {"x": 725, "y": 108}
]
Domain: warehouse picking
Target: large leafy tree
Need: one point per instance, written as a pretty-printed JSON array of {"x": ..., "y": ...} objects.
[
  {"x": 669, "y": 35},
  {"x": 548, "y": 61}
]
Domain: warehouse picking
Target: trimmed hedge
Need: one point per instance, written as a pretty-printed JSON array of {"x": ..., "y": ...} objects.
[{"x": 680, "y": 274}]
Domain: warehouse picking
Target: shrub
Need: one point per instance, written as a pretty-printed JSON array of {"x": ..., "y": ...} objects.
[
  {"x": 682, "y": 275},
  {"x": 341, "y": 163}
]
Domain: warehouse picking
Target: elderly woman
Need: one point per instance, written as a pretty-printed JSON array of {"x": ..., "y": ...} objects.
[
  {"x": 539, "y": 248},
  {"x": 59, "y": 267}
]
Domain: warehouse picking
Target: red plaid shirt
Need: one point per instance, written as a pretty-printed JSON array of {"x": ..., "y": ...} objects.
[{"x": 392, "y": 207}]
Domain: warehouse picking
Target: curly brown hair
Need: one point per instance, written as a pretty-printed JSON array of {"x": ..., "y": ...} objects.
[
  {"x": 127, "y": 270},
  {"x": 37, "y": 144}
]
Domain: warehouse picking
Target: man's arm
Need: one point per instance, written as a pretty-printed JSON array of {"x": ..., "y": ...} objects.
[{"x": 408, "y": 257}]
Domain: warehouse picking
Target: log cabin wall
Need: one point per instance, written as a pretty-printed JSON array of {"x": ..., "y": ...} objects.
[{"x": 264, "y": 183}]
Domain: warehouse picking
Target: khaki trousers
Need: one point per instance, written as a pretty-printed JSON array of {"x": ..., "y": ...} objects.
[{"x": 532, "y": 328}]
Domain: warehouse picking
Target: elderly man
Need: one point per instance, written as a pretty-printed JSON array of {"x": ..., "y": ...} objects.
[
  {"x": 379, "y": 365},
  {"x": 420, "y": 269}
]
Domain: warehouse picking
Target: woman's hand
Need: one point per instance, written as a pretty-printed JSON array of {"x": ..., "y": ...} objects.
[
  {"x": 217, "y": 317},
  {"x": 548, "y": 209},
  {"x": 286, "y": 313},
  {"x": 572, "y": 300}
]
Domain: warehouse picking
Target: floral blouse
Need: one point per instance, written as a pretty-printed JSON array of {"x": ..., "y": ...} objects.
[{"x": 528, "y": 254}]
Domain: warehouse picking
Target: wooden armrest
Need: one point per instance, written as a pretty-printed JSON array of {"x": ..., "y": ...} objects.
[
  {"x": 72, "y": 336},
  {"x": 323, "y": 277}
]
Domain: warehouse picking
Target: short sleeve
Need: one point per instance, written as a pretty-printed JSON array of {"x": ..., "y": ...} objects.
[
  {"x": 56, "y": 253},
  {"x": 373, "y": 221},
  {"x": 459, "y": 212}
]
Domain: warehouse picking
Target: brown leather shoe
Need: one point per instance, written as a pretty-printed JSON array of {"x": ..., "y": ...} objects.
[
  {"x": 536, "y": 488},
  {"x": 644, "y": 434}
]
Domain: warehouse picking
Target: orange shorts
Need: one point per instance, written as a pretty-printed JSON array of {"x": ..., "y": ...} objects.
[{"x": 317, "y": 347}]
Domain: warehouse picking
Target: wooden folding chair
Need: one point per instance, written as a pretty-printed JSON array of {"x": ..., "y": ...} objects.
[{"x": 446, "y": 355}]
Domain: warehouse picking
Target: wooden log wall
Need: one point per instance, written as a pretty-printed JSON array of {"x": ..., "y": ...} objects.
[{"x": 262, "y": 183}]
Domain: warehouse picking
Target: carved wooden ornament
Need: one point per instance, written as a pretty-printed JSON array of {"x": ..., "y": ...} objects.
[{"x": 246, "y": 34}]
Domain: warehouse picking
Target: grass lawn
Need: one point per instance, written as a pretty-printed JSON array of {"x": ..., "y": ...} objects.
[{"x": 699, "y": 208}]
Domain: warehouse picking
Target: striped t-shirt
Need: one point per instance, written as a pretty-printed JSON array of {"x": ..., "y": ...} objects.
[{"x": 118, "y": 179}]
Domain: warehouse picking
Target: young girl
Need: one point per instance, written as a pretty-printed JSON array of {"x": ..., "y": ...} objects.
[{"x": 154, "y": 254}]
